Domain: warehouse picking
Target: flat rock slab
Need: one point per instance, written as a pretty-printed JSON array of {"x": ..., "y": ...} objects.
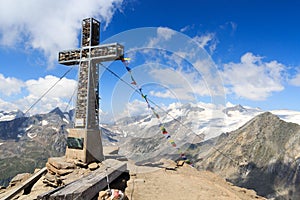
[
  {"x": 89, "y": 186},
  {"x": 53, "y": 170},
  {"x": 61, "y": 163}
]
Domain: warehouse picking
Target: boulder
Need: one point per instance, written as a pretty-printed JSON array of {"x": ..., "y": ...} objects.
[
  {"x": 19, "y": 178},
  {"x": 80, "y": 164},
  {"x": 93, "y": 166}
]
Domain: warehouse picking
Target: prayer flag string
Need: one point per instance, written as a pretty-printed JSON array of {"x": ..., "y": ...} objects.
[{"x": 164, "y": 131}]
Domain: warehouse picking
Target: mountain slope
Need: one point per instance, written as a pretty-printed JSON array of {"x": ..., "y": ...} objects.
[
  {"x": 262, "y": 155},
  {"x": 27, "y": 142}
]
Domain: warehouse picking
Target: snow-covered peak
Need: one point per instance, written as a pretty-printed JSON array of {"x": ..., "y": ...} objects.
[
  {"x": 197, "y": 118},
  {"x": 10, "y": 115}
]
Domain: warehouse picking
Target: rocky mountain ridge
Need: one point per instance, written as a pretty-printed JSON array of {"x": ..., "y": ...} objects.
[
  {"x": 262, "y": 155},
  {"x": 27, "y": 142}
]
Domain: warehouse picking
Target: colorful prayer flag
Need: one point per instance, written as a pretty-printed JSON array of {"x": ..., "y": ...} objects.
[
  {"x": 128, "y": 69},
  {"x": 161, "y": 126},
  {"x": 132, "y": 78},
  {"x": 156, "y": 115},
  {"x": 171, "y": 141},
  {"x": 168, "y": 136}
]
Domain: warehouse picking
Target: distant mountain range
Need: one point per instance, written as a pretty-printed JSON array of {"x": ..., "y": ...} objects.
[
  {"x": 195, "y": 121},
  {"x": 240, "y": 143}
]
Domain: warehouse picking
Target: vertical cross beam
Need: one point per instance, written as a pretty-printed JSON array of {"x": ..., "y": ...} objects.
[
  {"x": 87, "y": 104},
  {"x": 84, "y": 141}
]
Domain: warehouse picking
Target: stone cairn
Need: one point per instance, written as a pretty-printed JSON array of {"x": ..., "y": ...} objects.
[{"x": 58, "y": 168}]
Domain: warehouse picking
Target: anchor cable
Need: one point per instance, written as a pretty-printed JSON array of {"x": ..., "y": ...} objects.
[{"x": 45, "y": 93}]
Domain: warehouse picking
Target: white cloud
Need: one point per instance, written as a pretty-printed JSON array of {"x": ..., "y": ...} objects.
[
  {"x": 32, "y": 90},
  {"x": 7, "y": 106},
  {"x": 163, "y": 34},
  {"x": 186, "y": 28},
  {"x": 207, "y": 40},
  {"x": 63, "y": 89},
  {"x": 252, "y": 78},
  {"x": 49, "y": 26},
  {"x": 180, "y": 84},
  {"x": 134, "y": 108},
  {"x": 295, "y": 80},
  {"x": 166, "y": 94},
  {"x": 10, "y": 85},
  {"x": 58, "y": 96}
]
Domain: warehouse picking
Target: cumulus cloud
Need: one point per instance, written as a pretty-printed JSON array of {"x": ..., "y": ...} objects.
[
  {"x": 49, "y": 26},
  {"x": 61, "y": 89},
  {"x": 253, "y": 78},
  {"x": 10, "y": 85},
  {"x": 56, "y": 97},
  {"x": 31, "y": 90}
]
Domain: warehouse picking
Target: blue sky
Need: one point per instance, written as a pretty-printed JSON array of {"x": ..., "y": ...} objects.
[{"x": 254, "y": 45}]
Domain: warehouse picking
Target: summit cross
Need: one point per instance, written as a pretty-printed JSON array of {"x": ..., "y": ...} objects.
[{"x": 84, "y": 140}]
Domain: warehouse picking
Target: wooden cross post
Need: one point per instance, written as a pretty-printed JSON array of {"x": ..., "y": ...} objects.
[{"x": 84, "y": 140}]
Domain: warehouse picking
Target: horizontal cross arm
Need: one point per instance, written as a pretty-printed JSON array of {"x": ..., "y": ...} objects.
[
  {"x": 70, "y": 57},
  {"x": 100, "y": 53}
]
